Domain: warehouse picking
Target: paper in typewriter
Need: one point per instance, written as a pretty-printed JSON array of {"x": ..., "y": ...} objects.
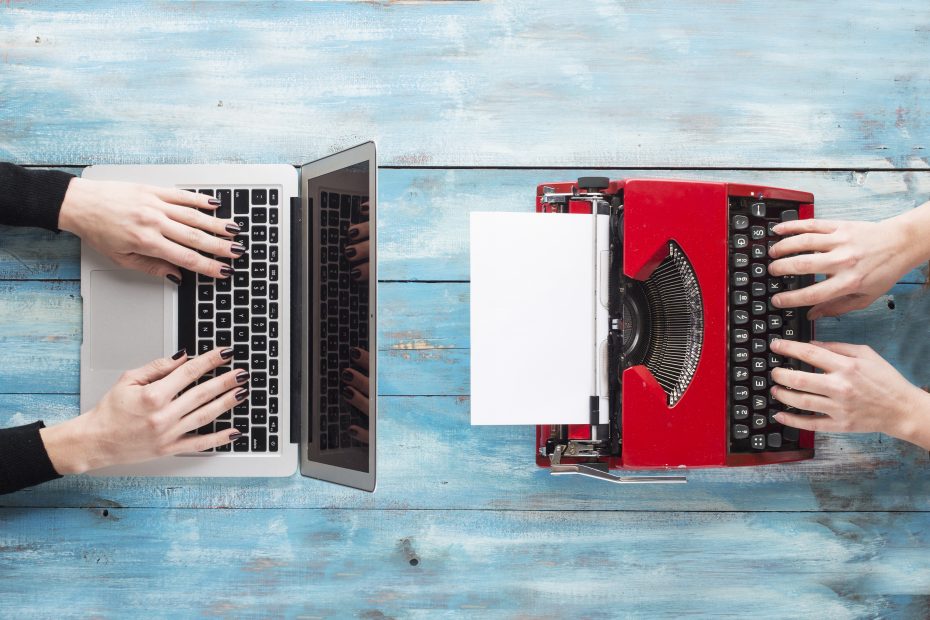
[{"x": 532, "y": 318}]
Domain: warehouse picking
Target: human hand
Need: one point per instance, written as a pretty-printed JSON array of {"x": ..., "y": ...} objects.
[
  {"x": 356, "y": 388},
  {"x": 143, "y": 416},
  {"x": 862, "y": 260},
  {"x": 151, "y": 229},
  {"x": 858, "y": 391},
  {"x": 358, "y": 247}
]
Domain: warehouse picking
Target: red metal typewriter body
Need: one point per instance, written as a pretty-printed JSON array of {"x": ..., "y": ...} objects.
[{"x": 647, "y": 430}]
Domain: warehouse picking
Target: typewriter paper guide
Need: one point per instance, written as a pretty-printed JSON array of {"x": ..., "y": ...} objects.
[{"x": 532, "y": 318}]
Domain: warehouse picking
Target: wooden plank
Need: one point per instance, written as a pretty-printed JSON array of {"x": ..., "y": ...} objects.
[
  {"x": 423, "y": 217},
  {"x": 444, "y": 83},
  {"x": 389, "y": 564},
  {"x": 431, "y": 458}
]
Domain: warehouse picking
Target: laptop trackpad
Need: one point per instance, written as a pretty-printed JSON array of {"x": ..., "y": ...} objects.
[{"x": 127, "y": 322}]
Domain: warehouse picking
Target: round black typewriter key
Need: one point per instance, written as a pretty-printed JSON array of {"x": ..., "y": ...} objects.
[
  {"x": 758, "y": 251},
  {"x": 757, "y": 209},
  {"x": 774, "y": 360},
  {"x": 790, "y": 333},
  {"x": 774, "y": 440},
  {"x": 770, "y": 243},
  {"x": 759, "y": 383},
  {"x": 758, "y": 421},
  {"x": 758, "y": 327},
  {"x": 740, "y": 392},
  {"x": 757, "y": 233},
  {"x": 757, "y": 442},
  {"x": 740, "y": 412},
  {"x": 740, "y": 298},
  {"x": 740, "y": 241},
  {"x": 790, "y": 433},
  {"x": 759, "y": 308},
  {"x": 740, "y": 260},
  {"x": 740, "y": 431},
  {"x": 758, "y": 364},
  {"x": 740, "y": 355},
  {"x": 775, "y": 285},
  {"x": 770, "y": 226},
  {"x": 772, "y": 413},
  {"x": 740, "y": 278},
  {"x": 758, "y": 345},
  {"x": 758, "y": 289},
  {"x": 774, "y": 321},
  {"x": 740, "y": 373},
  {"x": 758, "y": 270},
  {"x": 740, "y": 222},
  {"x": 740, "y": 336},
  {"x": 759, "y": 403},
  {"x": 740, "y": 317}
]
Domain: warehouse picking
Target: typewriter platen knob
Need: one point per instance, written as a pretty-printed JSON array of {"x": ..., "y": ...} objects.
[{"x": 593, "y": 184}]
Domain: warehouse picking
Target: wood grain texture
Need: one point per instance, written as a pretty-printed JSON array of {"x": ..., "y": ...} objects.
[{"x": 525, "y": 82}]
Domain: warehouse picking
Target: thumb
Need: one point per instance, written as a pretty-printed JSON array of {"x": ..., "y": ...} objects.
[
  {"x": 146, "y": 264},
  {"x": 157, "y": 369}
]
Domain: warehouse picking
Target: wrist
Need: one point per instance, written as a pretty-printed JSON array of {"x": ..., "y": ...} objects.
[
  {"x": 911, "y": 230},
  {"x": 71, "y": 205},
  {"x": 912, "y": 420},
  {"x": 71, "y": 447}
]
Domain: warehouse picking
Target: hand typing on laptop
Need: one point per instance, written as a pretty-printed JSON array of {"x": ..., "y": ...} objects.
[
  {"x": 145, "y": 415},
  {"x": 856, "y": 390},
  {"x": 150, "y": 229}
]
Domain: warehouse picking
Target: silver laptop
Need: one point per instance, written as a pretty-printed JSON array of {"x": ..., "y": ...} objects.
[{"x": 295, "y": 312}]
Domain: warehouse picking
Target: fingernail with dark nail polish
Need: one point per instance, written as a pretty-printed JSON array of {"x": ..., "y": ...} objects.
[
  {"x": 356, "y": 274},
  {"x": 347, "y": 392},
  {"x": 227, "y": 271},
  {"x": 235, "y": 436},
  {"x": 353, "y": 233},
  {"x": 237, "y": 248},
  {"x": 214, "y": 201},
  {"x": 353, "y": 432},
  {"x": 179, "y": 354},
  {"x": 227, "y": 353},
  {"x": 241, "y": 394},
  {"x": 351, "y": 252},
  {"x": 347, "y": 376},
  {"x": 233, "y": 228},
  {"x": 174, "y": 278},
  {"x": 355, "y": 353},
  {"x": 242, "y": 377}
]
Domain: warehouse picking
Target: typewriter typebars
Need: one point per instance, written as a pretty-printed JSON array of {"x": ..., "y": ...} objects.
[{"x": 690, "y": 321}]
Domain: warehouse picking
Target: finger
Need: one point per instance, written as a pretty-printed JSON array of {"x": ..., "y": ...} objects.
[
  {"x": 817, "y": 357},
  {"x": 185, "y": 198},
  {"x": 356, "y": 399},
  {"x": 210, "y": 411},
  {"x": 810, "y": 382},
  {"x": 358, "y": 433},
  {"x": 814, "y": 294},
  {"x": 360, "y": 358},
  {"x": 205, "y": 392},
  {"x": 358, "y": 232},
  {"x": 355, "y": 379},
  {"x": 794, "y": 227},
  {"x": 157, "y": 369},
  {"x": 146, "y": 264},
  {"x": 190, "y": 259},
  {"x": 806, "y": 422},
  {"x": 196, "y": 219},
  {"x": 803, "y": 264},
  {"x": 838, "y": 306},
  {"x": 803, "y": 400},
  {"x": 202, "y": 443},
  {"x": 192, "y": 370},
  {"x": 199, "y": 240},
  {"x": 364, "y": 209},
  {"x": 808, "y": 242},
  {"x": 357, "y": 252},
  {"x": 360, "y": 272}
]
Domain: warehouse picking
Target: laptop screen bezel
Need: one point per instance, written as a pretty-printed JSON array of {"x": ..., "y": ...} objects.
[{"x": 365, "y": 481}]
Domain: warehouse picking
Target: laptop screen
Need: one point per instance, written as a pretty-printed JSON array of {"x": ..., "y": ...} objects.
[{"x": 339, "y": 213}]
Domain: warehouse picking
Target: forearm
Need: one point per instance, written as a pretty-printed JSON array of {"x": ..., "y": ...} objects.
[
  {"x": 31, "y": 197},
  {"x": 912, "y": 422},
  {"x": 914, "y": 233},
  {"x": 23, "y": 459}
]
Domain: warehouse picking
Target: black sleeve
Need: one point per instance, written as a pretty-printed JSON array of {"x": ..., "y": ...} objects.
[
  {"x": 31, "y": 197},
  {"x": 23, "y": 459}
]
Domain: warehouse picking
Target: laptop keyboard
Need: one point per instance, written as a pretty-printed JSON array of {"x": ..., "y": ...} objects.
[
  {"x": 343, "y": 319},
  {"x": 242, "y": 312}
]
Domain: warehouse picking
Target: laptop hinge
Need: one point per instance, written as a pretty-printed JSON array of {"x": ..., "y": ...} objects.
[
  {"x": 594, "y": 403},
  {"x": 296, "y": 318}
]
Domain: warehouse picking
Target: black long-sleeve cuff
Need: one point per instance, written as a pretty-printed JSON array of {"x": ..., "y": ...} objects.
[
  {"x": 24, "y": 461},
  {"x": 31, "y": 197}
]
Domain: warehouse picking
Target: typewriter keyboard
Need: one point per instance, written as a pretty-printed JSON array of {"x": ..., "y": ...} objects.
[{"x": 754, "y": 323}]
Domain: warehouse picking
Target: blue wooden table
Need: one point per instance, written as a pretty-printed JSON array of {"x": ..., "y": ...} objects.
[{"x": 472, "y": 104}]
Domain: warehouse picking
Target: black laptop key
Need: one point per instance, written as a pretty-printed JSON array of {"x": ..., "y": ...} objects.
[
  {"x": 259, "y": 215},
  {"x": 241, "y": 333},
  {"x": 223, "y": 338},
  {"x": 259, "y": 324},
  {"x": 205, "y": 329},
  {"x": 273, "y": 424},
  {"x": 259, "y": 343},
  {"x": 204, "y": 311},
  {"x": 240, "y": 315},
  {"x": 273, "y": 234},
  {"x": 259, "y": 438},
  {"x": 241, "y": 353},
  {"x": 259, "y": 251},
  {"x": 259, "y": 306},
  {"x": 259, "y": 270},
  {"x": 259, "y": 361},
  {"x": 241, "y": 279},
  {"x": 259, "y": 398},
  {"x": 259, "y": 380},
  {"x": 223, "y": 302},
  {"x": 223, "y": 320},
  {"x": 241, "y": 202},
  {"x": 259, "y": 196},
  {"x": 273, "y": 272},
  {"x": 259, "y": 234},
  {"x": 272, "y": 196},
  {"x": 204, "y": 346},
  {"x": 272, "y": 292},
  {"x": 243, "y": 223},
  {"x": 224, "y": 211},
  {"x": 259, "y": 288}
]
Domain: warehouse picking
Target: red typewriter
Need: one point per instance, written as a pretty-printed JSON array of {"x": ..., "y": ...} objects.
[{"x": 688, "y": 365}]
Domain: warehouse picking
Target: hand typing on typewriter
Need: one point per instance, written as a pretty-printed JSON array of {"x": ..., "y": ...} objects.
[
  {"x": 857, "y": 391},
  {"x": 151, "y": 229},
  {"x": 145, "y": 416},
  {"x": 862, "y": 260}
]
